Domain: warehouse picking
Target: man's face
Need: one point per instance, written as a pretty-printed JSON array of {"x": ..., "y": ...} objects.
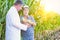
[
  {"x": 26, "y": 11},
  {"x": 19, "y": 7}
]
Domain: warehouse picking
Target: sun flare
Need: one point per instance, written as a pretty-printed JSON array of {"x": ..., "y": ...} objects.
[{"x": 51, "y": 5}]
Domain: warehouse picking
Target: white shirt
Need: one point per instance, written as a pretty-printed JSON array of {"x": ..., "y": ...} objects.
[{"x": 13, "y": 25}]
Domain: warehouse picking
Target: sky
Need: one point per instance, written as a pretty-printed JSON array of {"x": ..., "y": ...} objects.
[{"x": 51, "y": 5}]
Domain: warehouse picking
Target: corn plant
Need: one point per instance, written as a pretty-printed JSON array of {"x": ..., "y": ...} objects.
[
  {"x": 4, "y": 7},
  {"x": 46, "y": 23}
]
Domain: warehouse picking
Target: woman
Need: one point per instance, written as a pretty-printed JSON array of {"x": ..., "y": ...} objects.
[{"x": 28, "y": 20}]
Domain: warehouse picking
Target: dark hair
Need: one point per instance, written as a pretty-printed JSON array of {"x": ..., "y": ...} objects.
[{"x": 18, "y": 2}]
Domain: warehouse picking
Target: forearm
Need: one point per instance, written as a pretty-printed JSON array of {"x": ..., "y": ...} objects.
[
  {"x": 20, "y": 26},
  {"x": 23, "y": 27},
  {"x": 28, "y": 21},
  {"x": 32, "y": 23}
]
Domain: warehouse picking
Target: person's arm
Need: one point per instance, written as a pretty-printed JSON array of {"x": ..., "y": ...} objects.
[
  {"x": 32, "y": 23},
  {"x": 29, "y": 21},
  {"x": 16, "y": 22}
]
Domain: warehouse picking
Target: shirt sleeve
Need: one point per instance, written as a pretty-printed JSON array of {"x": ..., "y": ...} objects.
[
  {"x": 15, "y": 21},
  {"x": 33, "y": 19}
]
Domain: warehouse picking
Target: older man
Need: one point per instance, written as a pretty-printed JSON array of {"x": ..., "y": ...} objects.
[{"x": 13, "y": 25}]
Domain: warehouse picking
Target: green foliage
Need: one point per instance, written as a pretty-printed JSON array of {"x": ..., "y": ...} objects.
[
  {"x": 47, "y": 22},
  {"x": 4, "y": 7}
]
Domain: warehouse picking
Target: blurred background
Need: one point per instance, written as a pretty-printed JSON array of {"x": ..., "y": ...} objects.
[{"x": 45, "y": 12}]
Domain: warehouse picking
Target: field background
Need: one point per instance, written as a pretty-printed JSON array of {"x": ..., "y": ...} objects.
[{"x": 48, "y": 23}]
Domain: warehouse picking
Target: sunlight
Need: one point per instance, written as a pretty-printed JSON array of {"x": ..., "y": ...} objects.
[{"x": 51, "y": 5}]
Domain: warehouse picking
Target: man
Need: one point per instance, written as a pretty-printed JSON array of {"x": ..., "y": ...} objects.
[
  {"x": 27, "y": 20},
  {"x": 13, "y": 25}
]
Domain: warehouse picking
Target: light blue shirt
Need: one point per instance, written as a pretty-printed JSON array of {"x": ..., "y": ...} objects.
[
  {"x": 29, "y": 34},
  {"x": 13, "y": 25}
]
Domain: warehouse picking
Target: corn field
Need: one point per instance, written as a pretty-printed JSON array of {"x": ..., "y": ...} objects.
[
  {"x": 4, "y": 7},
  {"x": 48, "y": 25}
]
